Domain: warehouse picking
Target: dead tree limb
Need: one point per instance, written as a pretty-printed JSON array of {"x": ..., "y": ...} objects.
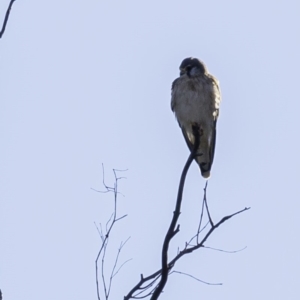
[
  {"x": 141, "y": 287},
  {"x": 105, "y": 235},
  {"x": 173, "y": 230},
  {"x": 154, "y": 284},
  {"x": 6, "y": 17}
]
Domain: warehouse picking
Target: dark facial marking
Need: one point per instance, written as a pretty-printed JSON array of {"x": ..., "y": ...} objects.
[{"x": 189, "y": 63}]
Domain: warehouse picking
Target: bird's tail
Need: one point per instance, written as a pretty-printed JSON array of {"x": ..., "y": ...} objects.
[
  {"x": 205, "y": 170},
  {"x": 205, "y": 150},
  {"x": 204, "y": 160}
]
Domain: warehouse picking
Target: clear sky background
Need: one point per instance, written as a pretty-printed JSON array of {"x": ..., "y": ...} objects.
[{"x": 88, "y": 82}]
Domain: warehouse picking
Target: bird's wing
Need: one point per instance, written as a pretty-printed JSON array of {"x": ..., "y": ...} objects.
[
  {"x": 172, "y": 94},
  {"x": 173, "y": 104},
  {"x": 217, "y": 100},
  {"x": 216, "y": 95},
  {"x": 187, "y": 140},
  {"x": 213, "y": 143}
]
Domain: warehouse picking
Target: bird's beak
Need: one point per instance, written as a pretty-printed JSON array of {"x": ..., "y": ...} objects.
[{"x": 182, "y": 72}]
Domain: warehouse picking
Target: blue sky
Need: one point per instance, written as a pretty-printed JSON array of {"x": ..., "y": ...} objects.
[{"x": 85, "y": 83}]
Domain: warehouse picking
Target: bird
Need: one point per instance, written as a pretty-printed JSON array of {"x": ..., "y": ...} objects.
[{"x": 195, "y": 100}]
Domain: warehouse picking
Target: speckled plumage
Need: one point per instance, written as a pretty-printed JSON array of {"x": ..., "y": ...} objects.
[{"x": 195, "y": 101}]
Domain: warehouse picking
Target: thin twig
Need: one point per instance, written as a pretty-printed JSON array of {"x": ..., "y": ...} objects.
[
  {"x": 98, "y": 230},
  {"x": 124, "y": 263},
  {"x": 225, "y": 251},
  {"x": 189, "y": 275},
  {"x": 201, "y": 244},
  {"x": 205, "y": 202},
  {"x": 119, "y": 170},
  {"x": 112, "y": 275},
  {"x": 201, "y": 218},
  {"x": 145, "y": 288},
  {"x": 102, "y": 270},
  {"x": 106, "y": 225},
  {"x": 186, "y": 251},
  {"x": 105, "y": 239},
  {"x": 120, "y": 218},
  {"x": 103, "y": 192},
  {"x": 6, "y": 17},
  {"x": 197, "y": 235},
  {"x": 138, "y": 286}
]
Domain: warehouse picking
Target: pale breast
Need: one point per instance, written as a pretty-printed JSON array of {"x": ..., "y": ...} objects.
[{"x": 194, "y": 100}]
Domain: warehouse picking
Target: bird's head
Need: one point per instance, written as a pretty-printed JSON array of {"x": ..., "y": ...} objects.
[{"x": 191, "y": 67}]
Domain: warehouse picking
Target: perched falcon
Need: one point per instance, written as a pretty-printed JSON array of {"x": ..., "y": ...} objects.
[{"x": 195, "y": 101}]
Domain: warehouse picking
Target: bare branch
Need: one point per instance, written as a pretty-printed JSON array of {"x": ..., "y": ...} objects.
[
  {"x": 185, "y": 251},
  {"x": 119, "y": 170},
  {"x": 166, "y": 267},
  {"x": 189, "y": 243},
  {"x": 138, "y": 286},
  {"x": 106, "y": 226},
  {"x": 102, "y": 270},
  {"x": 225, "y": 251},
  {"x": 120, "y": 218},
  {"x": 145, "y": 288},
  {"x": 189, "y": 275},
  {"x": 138, "y": 291},
  {"x": 103, "y": 192},
  {"x": 124, "y": 263},
  {"x": 201, "y": 244},
  {"x": 113, "y": 219},
  {"x": 171, "y": 232},
  {"x": 98, "y": 229},
  {"x": 112, "y": 275},
  {"x": 205, "y": 202},
  {"x": 6, "y": 17},
  {"x": 201, "y": 218}
]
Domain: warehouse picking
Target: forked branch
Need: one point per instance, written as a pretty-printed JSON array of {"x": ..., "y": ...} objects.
[
  {"x": 172, "y": 231},
  {"x": 105, "y": 235},
  {"x": 154, "y": 284}
]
